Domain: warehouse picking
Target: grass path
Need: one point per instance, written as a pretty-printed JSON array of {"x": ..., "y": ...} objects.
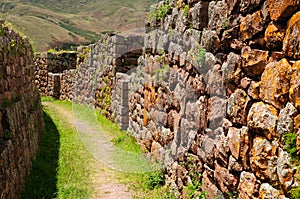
[{"x": 64, "y": 168}]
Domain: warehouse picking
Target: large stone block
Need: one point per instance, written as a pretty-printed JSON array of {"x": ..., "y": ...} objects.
[
  {"x": 262, "y": 119},
  {"x": 248, "y": 186},
  {"x": 275, "y": 83},
  {"x": 280, "y": 9},
  {"x": 251, "y": 25},
  {"x": 254, "y": 61},
  {"x": 263, "y": 159},
  {"x": 291, "y": 42},
  {"x": 294, "y": 91},
  {"x": 237, "y": 107}
]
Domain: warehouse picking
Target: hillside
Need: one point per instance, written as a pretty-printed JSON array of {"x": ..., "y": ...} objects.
[{"x": 62, "y": 24}]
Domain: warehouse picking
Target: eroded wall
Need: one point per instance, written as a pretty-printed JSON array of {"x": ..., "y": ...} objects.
[{"x": 20, "y": 112}]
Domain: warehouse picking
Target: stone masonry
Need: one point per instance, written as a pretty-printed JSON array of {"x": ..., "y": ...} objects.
[
  {"x": 211, "y": 96},
  {"x": 20, "y": 112}
]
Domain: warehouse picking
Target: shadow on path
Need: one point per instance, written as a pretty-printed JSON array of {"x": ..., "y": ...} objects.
[{"x": 41, "y": 183}]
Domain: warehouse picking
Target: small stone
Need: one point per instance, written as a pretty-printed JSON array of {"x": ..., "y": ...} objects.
[
  {"x": 226, "y": 181},
  {"x": 284, "y": 171},
  {"x": 209, "y": 187},
  {"x": 234, "y": 142},
  {"x": 253, "y": 90},
  {"x": 234, "y": 165},
  {"x": 230, "y": 66},
  {"x": 291, "y": 42},
  {"x": 275, "y": 83},
  {"x": 262, "y": 119}
]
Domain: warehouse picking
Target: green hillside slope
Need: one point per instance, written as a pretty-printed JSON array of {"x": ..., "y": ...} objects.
[{"x": 65, "y": 23}]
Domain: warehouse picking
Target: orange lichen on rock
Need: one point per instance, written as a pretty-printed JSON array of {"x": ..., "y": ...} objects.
[
  {"x": 274, "y": 36},
  {"x": 250, "y": 25},
  {"x": 291, "y": 42},
  {"x": 294, "y": 91},
  {"x": 282, "y": 8},
  {"x": 254, "y": 61},
  {"x": 275, "y": 83}
]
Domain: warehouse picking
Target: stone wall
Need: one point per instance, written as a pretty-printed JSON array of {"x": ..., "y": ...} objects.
[
  {"x": 214, "y": 93},
  {"x": 97, "y": 67},
  {"x": 52, "y": 73},
  {"x": 20, "y": 112},
  {"x": 216, "y": 90}
]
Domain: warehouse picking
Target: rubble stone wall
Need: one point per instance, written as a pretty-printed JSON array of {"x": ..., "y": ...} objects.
[
  {"x": 53, "y": 71},
  {"x": 216, "y": 90},
  {"x": 20, "y": 112}
]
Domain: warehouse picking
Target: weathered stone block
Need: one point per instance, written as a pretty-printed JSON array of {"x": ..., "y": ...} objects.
[
  {"x": 280, "y": 9},
  {"x": 254, "y": 61},
  {"x": 275, "y": 83},
  {"x": 262, "y": 119},
  {"x": 249, "y": 186},
  {"x": 291, "y": 42},
  {"x": 294, "y": 91}
]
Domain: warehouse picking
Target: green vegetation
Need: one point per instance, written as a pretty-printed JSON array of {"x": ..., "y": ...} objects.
[
  {"x": 194, "y": 189},
  {"x": 200, "y": 59},
  {"x": 186, "y": 10},
  {"x": 159, "y": 11},
  {"x": 43, "y": 178},
  {"x": 289, "y": 141},
  {"x": 63, "y": 168}
]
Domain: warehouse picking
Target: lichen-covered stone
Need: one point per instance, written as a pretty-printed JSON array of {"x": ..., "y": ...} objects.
[
  {"x": 251, "y": 25},
  {"x": 282, "y": 8},
  {"x": 210, "y": 40},
  {"x": 284, "y": 170},
  {"x": 245, "y": 147},
  {"x": 227, "y": 182},
  {"x": 266, "y": 191},
  {"x": 254, "y": 61},
  {"x": 291, "y": 42},
  {"x": 253, "y": 90},
  {"x": 262, "y": 119},
  {"x": 263, "y": 159},
  {"x": 230, "y": 66},
  {"x": 274, "y": 36},
  {"x": 286, "y": 119},
  {"x": 248, "y": 186},
  {"x": 275, "y": 83},
  {"x": 237, "y": 107},
  {"x": 234, "y": 141},
  {"x": 217, "y": 12},
  {"x": 297, "y": 122},
  {"x": 294, "y": 91}
]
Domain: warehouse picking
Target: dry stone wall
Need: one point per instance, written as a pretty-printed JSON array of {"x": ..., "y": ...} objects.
[
  {"x": 213, "y": 96},
  {"x": 96, "y": 80},
  {"x": 20, "y": 112},
  {"x": 54, "y": 72},
  {"x": 216, "y": 90}
]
